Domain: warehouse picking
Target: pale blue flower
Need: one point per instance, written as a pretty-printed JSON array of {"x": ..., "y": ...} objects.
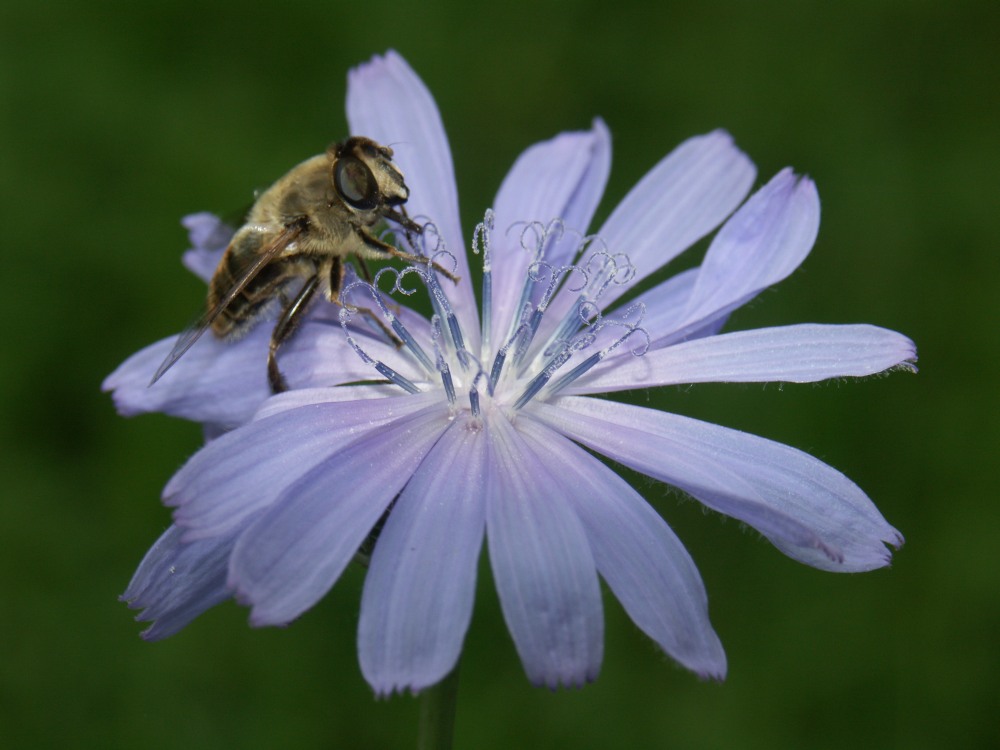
[{"x": 480, "y": 427}]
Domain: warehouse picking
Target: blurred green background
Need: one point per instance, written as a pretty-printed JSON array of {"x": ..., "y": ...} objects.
[{"x": 117, "y": 120}]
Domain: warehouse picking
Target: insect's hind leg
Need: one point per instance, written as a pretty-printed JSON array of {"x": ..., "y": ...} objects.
[{"x": 287, "y": 324}]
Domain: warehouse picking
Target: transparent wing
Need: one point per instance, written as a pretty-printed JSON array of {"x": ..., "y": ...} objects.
[{"x": 187, "y": 339}]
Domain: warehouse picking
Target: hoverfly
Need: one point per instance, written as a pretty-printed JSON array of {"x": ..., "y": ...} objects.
[{"x": 303, "y": 228}]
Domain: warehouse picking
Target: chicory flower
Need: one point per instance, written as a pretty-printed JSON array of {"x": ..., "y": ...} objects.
[{"x": 483, "y": 426}]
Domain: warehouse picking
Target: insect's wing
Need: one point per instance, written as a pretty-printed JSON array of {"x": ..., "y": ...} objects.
[{"x": 187, "y": 339}]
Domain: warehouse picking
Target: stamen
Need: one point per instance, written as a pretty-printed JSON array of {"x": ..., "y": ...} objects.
[
  {"x": 580, "y": 329},
  {"x": 498, "y": 366},
  {"x": 442, "y": 363},
  {"x": 610, "y": 271},
  {"x": 481, "y": 239},
  {"x": 439, "y": 249},
  {"x": 593, "y": 359},
  {"x": 516, "y": 340},
  {"x": 442, "y": 307},
  {"x": 536, "y": 384},
  {"x": 387, "y": 372},
  {"x": 577, "y": 371},
  {"x": 449, "y": 384},
  {"x": 456, "y": 336},
  {"x": 562, "y": 354},
  {"x": 556, "y": 278},
  {"x": 526, "y": 334},
  {"x": 474, "y": 402},
  {"x": 474, "y": 395},
  {"x": 439, "y": 300},
  {"x": 615, "y": 268},
  {"x": 544, "y": 237},
  {"x": 397, "y": 326}
]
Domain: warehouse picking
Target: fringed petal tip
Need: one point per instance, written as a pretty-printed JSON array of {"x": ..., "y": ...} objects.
[
  {"x": 152, "y": 633},
  {"x": 714, "y": 669},
  {"x": 716, "y": 676},
  {"x": 554, "y": 682},
  {"x": 123, "y": 405},
  {"x": 129, "y": 600},
  {"x": 259, "y": 617},
  {"x": 907, "y": 365},
  {"x": 859, "y": 555},
  {"x": 908, "y": 356},
  {"x": 894, "y": 542},
  {"x": 897, "y": 541},
  {"x": 241, "y": 597},
  {"x": 263, "y": 622},
  {"x": 703, "y": 655},
  {"x": 415, "y": 687}
]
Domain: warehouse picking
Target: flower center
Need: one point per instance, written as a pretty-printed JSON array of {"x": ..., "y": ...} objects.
[{"x": 540, "y": 354}]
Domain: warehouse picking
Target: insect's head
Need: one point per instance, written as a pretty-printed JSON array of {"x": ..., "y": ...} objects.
[{"x": 365, "y": 176}]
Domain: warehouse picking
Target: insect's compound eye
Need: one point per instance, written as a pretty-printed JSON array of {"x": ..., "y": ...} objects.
[{"x": 355, "y": 183}]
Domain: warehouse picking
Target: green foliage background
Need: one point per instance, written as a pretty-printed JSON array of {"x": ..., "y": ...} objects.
[{"x": 116, "y": 120}]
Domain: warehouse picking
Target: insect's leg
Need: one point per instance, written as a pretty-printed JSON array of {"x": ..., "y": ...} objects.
[
  {"x": 383, "y": 249},
  {"x": 337, "y": 283},
  {"x": 336, "y": 279},
  {"x": 290, "y": 318},
  {"x": 409, "y": 225},
  {"x": 411, "y": 258},
  {"x": 366, "y": 273}
]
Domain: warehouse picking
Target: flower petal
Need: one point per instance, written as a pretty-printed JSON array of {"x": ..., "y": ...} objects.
[
  {"x": 759, "y": 246},
  {"x": 665, "y": 303},
  {"x": 244, "y": 471},
  {"x": 223, "y": 383},
  {"x": 792, "y": 354},
  {"x": 421, "y": 583},
  {"x": 580, "y": 208},
  {"x": 309, "y": 397},
  {"x": 209, "y": 237},
  {"x": 683, "y": 198},
  {"x": 387, "y": 101},
  {"x": 177, "y": 581},
  {"x": 559, "y": 179},
  {"x": 639, "y": 556},
  {"x": 544, "y": 570},
  {"x": 296, "y": 550},
  {"x": 807, "y": 509}
]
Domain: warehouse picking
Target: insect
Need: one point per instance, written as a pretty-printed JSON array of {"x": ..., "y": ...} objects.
[{"x": 303, "y": 228}]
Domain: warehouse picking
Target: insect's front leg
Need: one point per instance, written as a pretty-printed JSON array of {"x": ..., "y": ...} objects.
[
  {"x": 403, "y": 219},
  {"x": 384, "y": 249}
]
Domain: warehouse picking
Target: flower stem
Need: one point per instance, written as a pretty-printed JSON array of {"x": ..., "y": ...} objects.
[{"x": 437, "y": 714}]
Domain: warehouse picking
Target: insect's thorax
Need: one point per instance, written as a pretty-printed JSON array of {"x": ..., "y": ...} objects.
[{"x": 307, "y": 193}]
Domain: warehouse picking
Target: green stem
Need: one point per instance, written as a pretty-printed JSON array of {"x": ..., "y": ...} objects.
[{"x": 437, "y": 714}]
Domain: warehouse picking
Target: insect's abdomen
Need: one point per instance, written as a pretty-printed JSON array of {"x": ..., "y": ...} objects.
[{"x": 240, "y": 315}]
